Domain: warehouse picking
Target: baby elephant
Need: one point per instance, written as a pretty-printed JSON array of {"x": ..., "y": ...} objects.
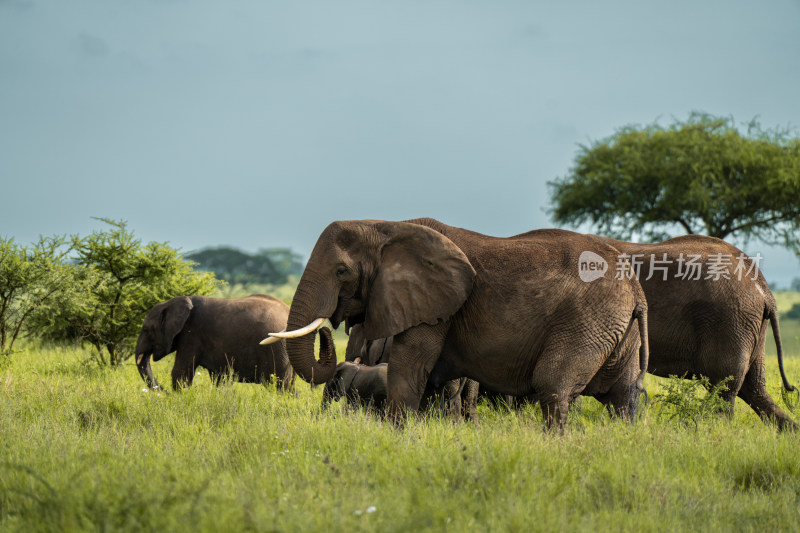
[
  {"x": 365, "y": 385},
  {"x": 457, "y": 398},
  {"x": 361, "y": 384}
]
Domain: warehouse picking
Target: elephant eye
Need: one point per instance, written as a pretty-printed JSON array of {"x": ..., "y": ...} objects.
[{"x": 341, "y": 270}]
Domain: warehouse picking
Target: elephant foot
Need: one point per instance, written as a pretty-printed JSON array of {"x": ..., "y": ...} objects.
[
  {"x": 785, "y": 423},
  {"x": 555, "y": 414}
]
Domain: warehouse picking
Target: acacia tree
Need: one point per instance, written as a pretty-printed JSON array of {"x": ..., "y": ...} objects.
[
  {"x": 702, "y": 175},
  {"x": 29, "y": 277},
  {"x": 117, "y": 280}
]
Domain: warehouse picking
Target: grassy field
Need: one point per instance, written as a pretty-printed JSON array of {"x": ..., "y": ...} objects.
[
  {"x": 82, "y": 448},
  {"x": 786, "y": 299},
  {"x": 790, "y": 329}
]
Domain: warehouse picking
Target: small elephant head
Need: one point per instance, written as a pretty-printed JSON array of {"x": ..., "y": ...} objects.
[
  {"x": 157, "y": 337},
  {"x": 390, "y": 276},
  {"x": 336, "y": 388},
  {"x": 360, "y": 384}
]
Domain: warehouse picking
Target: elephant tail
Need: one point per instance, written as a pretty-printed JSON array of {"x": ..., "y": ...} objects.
[
  {"x": 640, "y": 315},
  {"x": 776, "y": 332}
]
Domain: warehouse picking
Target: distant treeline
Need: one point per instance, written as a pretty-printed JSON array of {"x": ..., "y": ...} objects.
[{"x": 273, "y": 265}]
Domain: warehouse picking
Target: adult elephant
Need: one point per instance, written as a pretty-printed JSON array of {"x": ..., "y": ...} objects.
[
  {"x": 218, "y": 334},
  {"x": 710, "y": 309},
  {"x": 513, "y": 314}
]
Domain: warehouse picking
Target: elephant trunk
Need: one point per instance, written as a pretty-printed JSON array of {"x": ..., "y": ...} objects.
[
  {"x": 328, "y": 394},
  {"x": 301, "y": 355},
  {"x": 301, "y": 349},
  {"x": 143, "y": 352},
  {"x": 143, "y": 365}
]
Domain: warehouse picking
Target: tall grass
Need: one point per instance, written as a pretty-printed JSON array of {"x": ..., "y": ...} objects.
[{"x": 88, "y": 449}]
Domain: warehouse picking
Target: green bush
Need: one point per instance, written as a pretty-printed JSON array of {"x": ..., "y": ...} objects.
[
  {"x": 116, "y": 280},
  {"x": 29, "y": 278},
  {"x": 679, "y": 400}
]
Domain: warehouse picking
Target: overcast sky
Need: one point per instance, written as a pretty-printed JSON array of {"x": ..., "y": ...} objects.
[{"x": 255, "y": 123}]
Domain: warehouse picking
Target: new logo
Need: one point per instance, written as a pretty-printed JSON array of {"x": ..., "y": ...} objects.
[{"x": 591, "y": 266}]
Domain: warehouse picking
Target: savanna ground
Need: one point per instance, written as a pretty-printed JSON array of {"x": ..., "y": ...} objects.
[{"x": 85, "y": 448}]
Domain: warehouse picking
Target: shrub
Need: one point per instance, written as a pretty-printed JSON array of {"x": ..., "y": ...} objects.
[
  {"x": 29, "y": 277},
  {"x": 117, "y": 279},
  {"x": 680, "y": 400}
]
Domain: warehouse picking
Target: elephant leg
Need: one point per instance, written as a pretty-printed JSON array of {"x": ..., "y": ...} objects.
[
  {"x": 555, "y": 409},
  {"x": 562, "y": 372},
  {"x": 414, "y": 354},
  {"x": 621, "y": 401},
  {"x": 725, "y": 358},
  {"x": 753, "y": 387},
  {"x": 729, "y": 395},
  {"x": 554, "y": 403},
  {"x": 469, "y": 400},
  {"x": 622, "y": 398},
  {"x": 183, "y": 372},
  {"x": 446, "y": 399},
  {"x": 754, "y": 393}
]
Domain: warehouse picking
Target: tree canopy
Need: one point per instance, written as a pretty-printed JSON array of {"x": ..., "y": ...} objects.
[{"x": 701, "y": 175}]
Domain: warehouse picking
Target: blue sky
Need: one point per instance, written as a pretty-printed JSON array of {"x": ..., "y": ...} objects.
[{"x": 255, "y": 124}]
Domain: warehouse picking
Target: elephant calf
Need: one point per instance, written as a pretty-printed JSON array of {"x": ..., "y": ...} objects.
[
  {"x": 219, "y": 334},
  {"x": 365, "y": 386},
  {"x": 457, "y": 398},
  {"x": 360, "y": 384}
]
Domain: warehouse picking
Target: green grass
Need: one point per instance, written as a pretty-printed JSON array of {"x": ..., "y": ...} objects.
[
  {"x": 86, "y": 449},
  {"x": 786, "y": 299}
]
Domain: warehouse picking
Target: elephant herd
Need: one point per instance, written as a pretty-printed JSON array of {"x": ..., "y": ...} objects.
[{"x": 437, "y": 313}]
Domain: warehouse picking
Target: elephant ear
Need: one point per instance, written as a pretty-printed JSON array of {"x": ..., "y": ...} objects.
[
  {"x": 174, "y": 317},
  {"x": 347, "y": 376},
  {"x": 377, "y": 351},
  {"x": 421, "y": 277},
  {"x": 355, "y": 343}
]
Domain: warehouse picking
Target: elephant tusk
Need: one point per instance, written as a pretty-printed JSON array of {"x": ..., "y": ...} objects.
[
  {"x": 139, "y": 358},
  {"x": 314, "y": 326},
  {"x": 269, "y": 340}
]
